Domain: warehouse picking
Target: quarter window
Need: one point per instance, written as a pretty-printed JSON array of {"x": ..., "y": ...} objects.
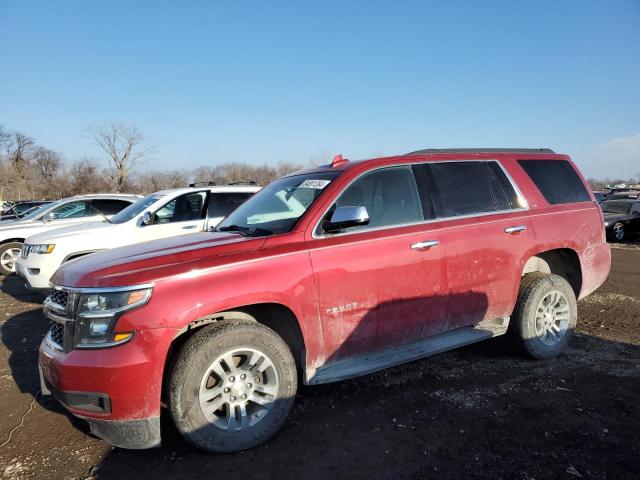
[
  {"x": 390, "y": 196},
  {"x": 557, "y": 180}
]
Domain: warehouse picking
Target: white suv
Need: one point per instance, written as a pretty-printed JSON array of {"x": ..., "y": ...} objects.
[
  {"x": 80, "y": 209},
  {"x": 162, "y": 214}
]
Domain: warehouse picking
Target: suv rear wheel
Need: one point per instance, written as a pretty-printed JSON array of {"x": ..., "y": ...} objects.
[
  {"x": 232, "y": 386},
  {"x": 545, "y": 315}
]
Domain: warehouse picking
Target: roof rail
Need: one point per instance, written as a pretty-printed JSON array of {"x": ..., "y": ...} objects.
[
  {"x": 481, "y": 150},
  {"x": 207, "y": 183},
  {"x": 250, "y": 182}
]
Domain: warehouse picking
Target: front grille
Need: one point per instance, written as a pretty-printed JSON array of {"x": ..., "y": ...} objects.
[
  {"x": 25, "y": 250},
  {"x": 60, "y": 297},
  {"x": 57, "y": 333}
]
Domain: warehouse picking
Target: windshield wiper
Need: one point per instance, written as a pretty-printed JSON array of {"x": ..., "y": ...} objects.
[{"x": 248, "y": 231}]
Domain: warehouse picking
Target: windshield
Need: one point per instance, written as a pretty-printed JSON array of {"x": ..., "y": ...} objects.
[
  {"x": 615, "y": 207},
  {"x": 136, "y": 208},
  {"x": 278, "y": 206}
]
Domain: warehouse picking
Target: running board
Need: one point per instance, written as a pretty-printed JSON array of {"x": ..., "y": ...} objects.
[{"x": 366, "y": 363}]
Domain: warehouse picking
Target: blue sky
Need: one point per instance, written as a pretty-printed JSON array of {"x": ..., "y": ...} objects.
[{"x": 216, "y": 81}]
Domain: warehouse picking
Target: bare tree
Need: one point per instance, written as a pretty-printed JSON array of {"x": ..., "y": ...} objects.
[
  {"x": 47, "y": 162},
  {"x": 18, "y": 150},
  {"x": 124, "y": 147}
]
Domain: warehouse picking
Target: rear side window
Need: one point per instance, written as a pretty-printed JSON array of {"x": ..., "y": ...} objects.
[
  {"x": 222, "y": 204},
  {"x": 109, "y": 206},
  {"x": 557, "y": 181},
  {"x": 468, "y": 188}
]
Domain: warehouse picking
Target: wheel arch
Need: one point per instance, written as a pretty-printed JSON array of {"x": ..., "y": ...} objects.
[
  {"x": 564, "y": 262},
  {"x": 276, "y": 316},
  {"x": 9, "y": 240}
]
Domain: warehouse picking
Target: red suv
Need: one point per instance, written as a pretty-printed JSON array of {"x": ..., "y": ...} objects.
[{"x": 323, "y": 275}]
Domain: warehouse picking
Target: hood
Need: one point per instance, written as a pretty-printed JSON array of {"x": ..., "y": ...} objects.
[
  {"x": 52, "y": 236},
  {"x": 151, "y": 261},
  {"x": 8, "y": 224}
]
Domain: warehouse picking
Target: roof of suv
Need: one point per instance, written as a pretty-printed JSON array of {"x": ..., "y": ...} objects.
[{"x": 339, "y": 164}]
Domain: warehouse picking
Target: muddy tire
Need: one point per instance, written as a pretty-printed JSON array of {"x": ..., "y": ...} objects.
[
  {"x": 8, "y": 256},
  {"x": 545, "y": 315},
  {"x": 232, "y": 386}
]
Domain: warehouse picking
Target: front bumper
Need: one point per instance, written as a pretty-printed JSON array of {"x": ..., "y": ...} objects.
[
  {"x": 116, "y": 390},
  {"x": 36, "y": 272}
]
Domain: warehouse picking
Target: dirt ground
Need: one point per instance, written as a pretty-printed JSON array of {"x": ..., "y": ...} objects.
[{"x": 479, "y": 412}]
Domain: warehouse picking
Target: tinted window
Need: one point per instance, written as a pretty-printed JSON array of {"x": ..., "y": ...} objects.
[
  {"x": 505, "y": 195},
  {"x": 108, "y": 206},
  {"x": 222, "y": 204},
  {"x": 462, "y": 188},
  {"x": 556, "y": 180},
  {"x": 390, "y": 196},
  {"x": 181, "y": 209}
]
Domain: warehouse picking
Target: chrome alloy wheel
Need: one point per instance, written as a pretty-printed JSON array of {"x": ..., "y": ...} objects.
[
  {"x": 8, "y": 259},
  {"x": 552, "y": 317},
  {"x": 238, "y": 389},
  {"x": 618, "y": 231}
]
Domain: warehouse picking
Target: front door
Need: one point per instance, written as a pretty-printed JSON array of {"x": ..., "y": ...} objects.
[
  {"x": 376, "y": 284},
  {"x": 182, "y": 215}
]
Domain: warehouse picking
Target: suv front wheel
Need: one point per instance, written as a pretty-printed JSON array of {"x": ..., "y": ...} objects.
[
  {"x": 545, "y": 315},
  {"x": 232, "y": 386}
]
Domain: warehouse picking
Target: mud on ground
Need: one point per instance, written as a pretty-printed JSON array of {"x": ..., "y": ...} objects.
[{"x": 479, "y": 412}]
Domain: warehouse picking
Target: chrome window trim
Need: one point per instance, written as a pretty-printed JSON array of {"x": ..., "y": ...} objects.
[{"x": 521, "y": 200}]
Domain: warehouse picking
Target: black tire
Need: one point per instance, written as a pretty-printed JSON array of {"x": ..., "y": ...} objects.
[
  {"x": 3, "y": 248},
  {"x": 195, "y": 360},
  {"x": 617, "y": 232},
  {"x": 534, "y": 287}
]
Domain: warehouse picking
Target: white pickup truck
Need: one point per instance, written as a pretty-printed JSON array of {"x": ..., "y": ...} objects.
[
  {"x": 80, "y": 209},
  {"x": 162, "y": 214}
]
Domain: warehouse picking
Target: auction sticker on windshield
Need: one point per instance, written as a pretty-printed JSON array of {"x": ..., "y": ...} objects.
[{"x": 317, "y": 184}]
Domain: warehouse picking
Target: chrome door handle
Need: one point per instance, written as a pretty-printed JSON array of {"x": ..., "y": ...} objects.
[
  {"x": 188, "y": 227},
  {"x": 517, "y": 229},
  {"x": 425, "y": 244}
]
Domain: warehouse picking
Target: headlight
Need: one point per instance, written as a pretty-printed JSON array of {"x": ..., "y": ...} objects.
[
  {"x": 42, "y": 248},
  {"x": 606, "y": 224},
  {"x": 98, "y": 314}
]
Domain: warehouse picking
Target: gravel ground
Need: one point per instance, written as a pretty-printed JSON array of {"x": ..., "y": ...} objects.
[{"x": 479, "y": 412}]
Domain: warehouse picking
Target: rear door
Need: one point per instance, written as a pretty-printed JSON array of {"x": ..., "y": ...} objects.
[{"x": 487, "y": 234}]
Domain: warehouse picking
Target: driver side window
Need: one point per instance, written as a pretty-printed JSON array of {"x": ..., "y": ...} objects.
[
  {"x": 181, "y": 209},
  {"x": 390, "y": 196}
]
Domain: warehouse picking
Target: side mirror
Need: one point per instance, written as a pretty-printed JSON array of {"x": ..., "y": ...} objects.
[
  {"x": 346, "y": 217},
  {"x": 48, "y": 217},
  {"x": 147, "y": 218}
]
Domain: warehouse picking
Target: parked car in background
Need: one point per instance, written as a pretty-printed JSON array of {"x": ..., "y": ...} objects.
[
  {"x": 20, "y": 209},
  {"x": 162, "y": 214},
  {"x": 624, "y": 195},
  {"x": 332, "y": 273},
  {"x": 600, "y": 195},
  {"x": 76, "y": 210},
  {"x": 621, "y": 217}
]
